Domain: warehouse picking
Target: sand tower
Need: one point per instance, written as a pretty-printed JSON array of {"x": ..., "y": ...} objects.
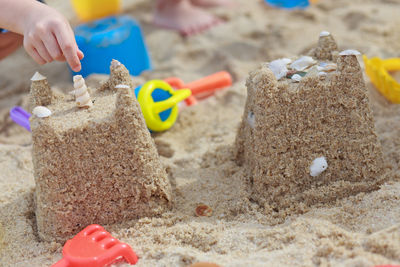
[
  {"x": 307, "y": 134},
  {"x": 94, "y": 162}
]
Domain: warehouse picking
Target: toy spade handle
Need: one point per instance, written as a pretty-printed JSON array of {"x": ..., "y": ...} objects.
[
  {"x": 175, "y": 82},
  {"x": 21, "y": 117},
  {"x": 61, "y": 263},
  {"x": 210, "y": 83},
  {"x": 178, "y": 96},
  {"x": 391, "y": 64}
]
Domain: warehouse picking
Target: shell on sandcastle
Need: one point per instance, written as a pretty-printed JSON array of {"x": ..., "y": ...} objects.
[
  {"x": 82, "y": 96},
  {"x": 291, "y": 131},
  {"x": 96, "y": 166},
  {"x": 41, "y": 112}
]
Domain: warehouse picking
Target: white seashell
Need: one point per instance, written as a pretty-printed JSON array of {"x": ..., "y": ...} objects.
[
  {"x": 286, "y": 60},
  {"x": 323, "y": 66},
  {"x": 37, "y": 77},
  {"x": 322, "y": 73},
  {"x": 324, "y": 33},
  {"x": 41, "y": 112},
  {"x": 279, "y": 67},
  {"x": 251, "y": 119},
  {"x": 82, "y": 97},
  {"x": 120, "y": 86},
  {"x": 318, "y": 166},
  {"x": 115, "y": 63},
  {"x": 312, "y": 71},
  {"x": 302, "y": 63},
  {"x": 296, "y": 78},
  {"x": 349, "y": 52}
]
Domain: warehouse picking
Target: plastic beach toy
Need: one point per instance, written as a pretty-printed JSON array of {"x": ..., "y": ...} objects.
[
  {"x": 94, "y": 247},
  {"x": 158, "y": 100},
  {"x": 21, "y": 117},
  {"x": 94, "y": 9},
  {"x": 378, "y": 71},
  {"x": 117, "y": 37},
  {"x": 290, "y": 3},
  {"x": 203, "y": 87},
  {"x": 159, "y": 104}
]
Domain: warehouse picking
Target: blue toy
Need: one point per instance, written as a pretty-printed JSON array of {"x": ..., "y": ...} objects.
[
  {"x": 289, "y": 3},
  {"x": 117, "y": 37}
]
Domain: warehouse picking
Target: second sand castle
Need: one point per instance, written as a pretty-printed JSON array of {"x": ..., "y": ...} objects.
[
  {"x": 307, "y": 135},
  {"x": 96, "y": 164}
]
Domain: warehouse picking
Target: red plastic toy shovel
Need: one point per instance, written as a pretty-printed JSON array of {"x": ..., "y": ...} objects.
[{"x": 94, "y": 247}]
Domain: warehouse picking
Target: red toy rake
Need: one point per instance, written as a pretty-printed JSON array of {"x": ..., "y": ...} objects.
[{"x": 94, "y": 247}]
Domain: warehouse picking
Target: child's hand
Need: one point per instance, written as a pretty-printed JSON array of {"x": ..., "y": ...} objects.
[{"x": 48, "y": 36}]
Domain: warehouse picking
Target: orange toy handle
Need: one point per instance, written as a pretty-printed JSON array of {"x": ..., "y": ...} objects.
[
  {"x": 175, "y": 82},
  {"x": 179, "y": 84},
  {"x": 210, "y": 83}
]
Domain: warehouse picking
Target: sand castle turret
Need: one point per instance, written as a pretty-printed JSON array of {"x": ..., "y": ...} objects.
[
  {"x": 309, "y": 140},
  {"x": 118, "y": 75},
  {"x": 96, "y": 165},
  {"x": 327, "y": 48},
  {"x": 40, "y": 93}
]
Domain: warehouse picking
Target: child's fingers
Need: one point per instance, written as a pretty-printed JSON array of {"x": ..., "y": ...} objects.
[
  {"x": 52, "y": 47},
  {"x": 41, "y": 49},
  {"x": 69, "y": 48},
  {"x": 35, "y": 55},
  {"x": 80, "y": 54}
]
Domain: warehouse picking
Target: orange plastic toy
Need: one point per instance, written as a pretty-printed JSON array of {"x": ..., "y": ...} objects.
[
  {"x": 94, "y": 247},
  {"x": 203, "y": 87}
]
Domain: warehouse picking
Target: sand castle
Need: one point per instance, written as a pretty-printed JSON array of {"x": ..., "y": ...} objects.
[
  {"x": 94, "y": 164},
  {"x": 309, "y": 140}
]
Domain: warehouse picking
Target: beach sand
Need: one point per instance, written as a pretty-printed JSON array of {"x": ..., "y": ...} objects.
[{"x": 198, "y": 152}]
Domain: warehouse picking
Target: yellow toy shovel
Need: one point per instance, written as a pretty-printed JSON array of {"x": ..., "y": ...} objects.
[{"x": 378, "y": 71}]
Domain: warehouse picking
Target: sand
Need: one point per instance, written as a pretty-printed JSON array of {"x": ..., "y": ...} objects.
[{"x": 197, "y": 152}]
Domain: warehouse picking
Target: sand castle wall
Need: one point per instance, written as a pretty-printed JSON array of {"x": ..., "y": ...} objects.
[
  {"x": 287, "y": 125},
  {"x": 96, "y": 165}
]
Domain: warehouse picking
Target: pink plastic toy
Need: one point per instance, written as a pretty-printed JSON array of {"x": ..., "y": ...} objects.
[{"x": 94, "y": 247}]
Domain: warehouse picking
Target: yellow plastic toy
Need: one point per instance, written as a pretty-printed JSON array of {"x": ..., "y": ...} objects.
[
  {"x": 159, "y": 104},
  {"x": 378, "y": 71},
  {"x": 94, "y": 9}
]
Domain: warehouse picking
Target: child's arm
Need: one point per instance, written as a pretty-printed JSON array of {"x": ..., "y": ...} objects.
[
  {"x": 9, "y": 42},
  {"x": 47, "y": 34}
]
